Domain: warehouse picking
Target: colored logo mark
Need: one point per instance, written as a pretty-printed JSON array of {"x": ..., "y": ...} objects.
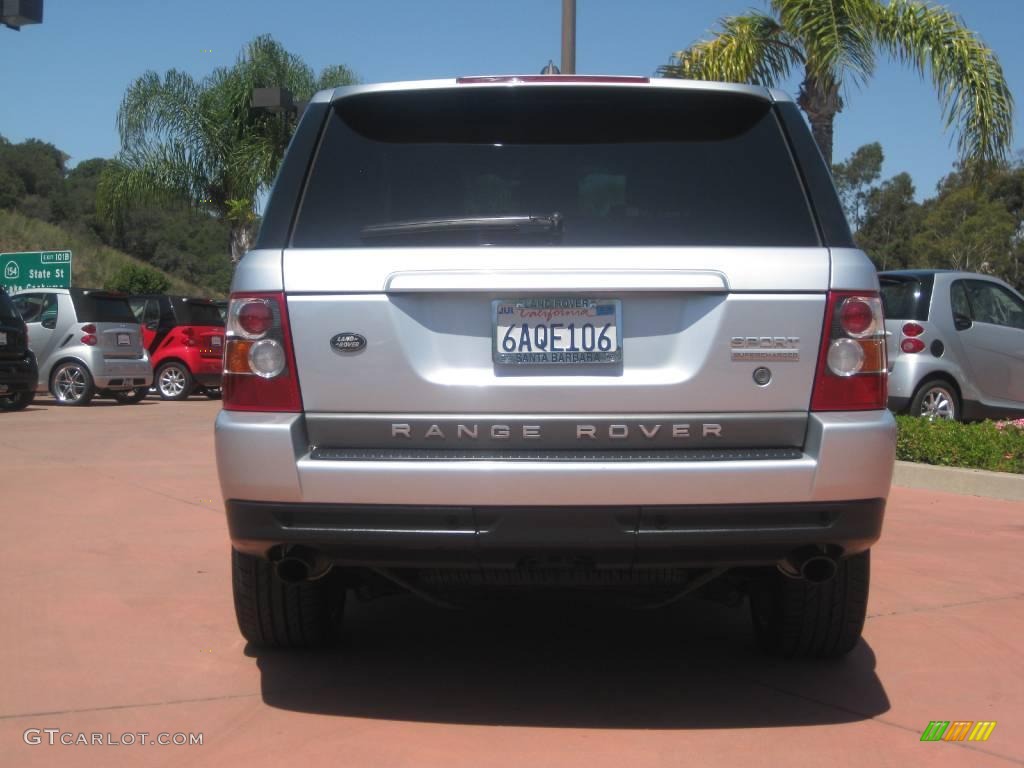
[{"x": 958, "y": 730}]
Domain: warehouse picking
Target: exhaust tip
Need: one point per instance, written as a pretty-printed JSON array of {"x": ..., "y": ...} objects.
[
  {"x": 818, "y": 569},
  {"x": 292, "y": 570}
]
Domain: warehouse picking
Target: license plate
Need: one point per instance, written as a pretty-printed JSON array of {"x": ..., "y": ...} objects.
[
  {"x": 124, "y": 340},
  {"x": 557, "y": 331},
  {"x": 215, "y": 341},
  {"x": 3, "y": 338}
]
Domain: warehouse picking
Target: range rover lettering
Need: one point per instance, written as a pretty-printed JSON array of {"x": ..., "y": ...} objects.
[{"x": 507, "y": 333}]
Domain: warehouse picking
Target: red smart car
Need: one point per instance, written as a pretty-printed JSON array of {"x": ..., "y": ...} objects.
[{"x": 185, "y": 338}]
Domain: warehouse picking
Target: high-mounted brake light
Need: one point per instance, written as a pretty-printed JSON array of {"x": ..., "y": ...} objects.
[
  {"x": 851, "y": 373},
  {"x": 259, "y": 363},
  {"x": 484, "y": 79}
]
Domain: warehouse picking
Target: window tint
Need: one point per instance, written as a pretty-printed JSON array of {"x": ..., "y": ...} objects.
[
  {"x": 960, "y": 303},
  {"x": 620, "y": 166},
  {"x": 992, "y": 303},
  {"x": 905, "y": 297},
  {"x": 200, "y": 313},
  {"x": 102, "y": 308}
]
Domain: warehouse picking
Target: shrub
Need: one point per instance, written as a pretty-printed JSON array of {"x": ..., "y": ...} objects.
[
  {"x": 135, "y": 278},
  {"x": 997, "y": 446}
]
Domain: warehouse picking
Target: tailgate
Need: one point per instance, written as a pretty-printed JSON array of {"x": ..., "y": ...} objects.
[{"x": 695, "y": 324}]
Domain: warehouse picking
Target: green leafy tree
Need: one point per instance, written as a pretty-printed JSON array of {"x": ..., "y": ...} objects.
[
  {"x": 836, "y": 42},
  {"x": 855, "y": 179},
  {"x": 200, "y": 140},
  {"x": 964, "y": 229},
  {"x": 891, "y": 220},
  {"x": 135, "y": 278}
]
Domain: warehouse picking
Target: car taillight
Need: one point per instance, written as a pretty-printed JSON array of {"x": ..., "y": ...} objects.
[
  {"x": 189, "y": 334},
  {"x": 912, "y": 346},
  {"x": 259, "y": 364},
  {"x": 90, "y": 328},
  {"x": 851, "y": 373},
  {"x": 89, "y": 340},
  {"x": 913, "y": 330}
]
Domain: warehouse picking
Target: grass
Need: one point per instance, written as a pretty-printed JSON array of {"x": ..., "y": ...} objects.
[
  {"x": 996, "y": 446},
  {"x": 93, "y": 264}
]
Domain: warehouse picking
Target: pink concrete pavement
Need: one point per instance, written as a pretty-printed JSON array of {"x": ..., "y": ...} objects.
[{"x": 116, "y": 617}]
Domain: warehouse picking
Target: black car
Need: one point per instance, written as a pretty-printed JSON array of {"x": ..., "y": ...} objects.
[{"x": 18, "y": 372}]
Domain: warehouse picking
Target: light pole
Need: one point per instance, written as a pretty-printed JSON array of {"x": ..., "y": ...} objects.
[
  {"x": 568, "y": 37},
  {"x": 15, "y": 14}
]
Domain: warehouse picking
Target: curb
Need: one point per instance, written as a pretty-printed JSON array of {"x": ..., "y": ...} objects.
[{"x": 968, "y": 482}]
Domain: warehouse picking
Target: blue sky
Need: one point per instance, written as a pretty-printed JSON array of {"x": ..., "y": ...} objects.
[{"x": 63, "y": 80}]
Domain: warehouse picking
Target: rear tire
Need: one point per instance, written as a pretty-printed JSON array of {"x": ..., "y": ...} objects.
[
  {"x": 17, "y": 401},
  {"x": 936, "y": 399},
  {"x": 797, "y": 619},
  {"x": 72, "y": 384},
  {"x": 275, "y": 614},
  {"x": 174, "y": 381}
]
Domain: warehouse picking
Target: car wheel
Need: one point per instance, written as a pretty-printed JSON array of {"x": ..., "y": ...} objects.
[
  {"x": 131, "y": 396},
  {"x": 17, "y": 401},
  {"x": 174, "y": 381},
  {"x": 276, "y": 614},
  {"x": 72, "y": 384},
  {"x": 795, "y": 618},
  {"x": 936, "y": 399}
]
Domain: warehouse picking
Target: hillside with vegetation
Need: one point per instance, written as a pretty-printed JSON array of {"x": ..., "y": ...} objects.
[
  {"x": 95, "y": 265},
  {"x": 45, "y": 206}
]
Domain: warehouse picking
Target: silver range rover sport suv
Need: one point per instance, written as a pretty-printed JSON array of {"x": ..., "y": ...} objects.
[{"x": 534, "y": 332}]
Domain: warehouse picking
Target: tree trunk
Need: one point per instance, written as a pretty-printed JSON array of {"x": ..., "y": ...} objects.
[
  {"x": 821, "y": 102},
  {"x": 240, "y": 241}
]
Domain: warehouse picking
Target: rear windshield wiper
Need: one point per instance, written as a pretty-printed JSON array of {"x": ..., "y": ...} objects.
[{"x": 482, "y": 227}]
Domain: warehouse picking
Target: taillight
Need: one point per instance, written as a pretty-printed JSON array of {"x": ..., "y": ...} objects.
[
  {"x": 851, "y": 373},
  {"x": 913, "y": 330},
  {"x": 912, "y": 346},
  {"x": 189, "y": 334},
  {"x": 89, "y": 340},
  {"x": 90, "y": 328},
  {"x": 259, "y": 364}
]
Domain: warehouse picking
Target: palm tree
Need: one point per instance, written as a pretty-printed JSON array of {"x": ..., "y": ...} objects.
[
  {"x": 199, "y": 141},
  {"x": 835, "y": 42}
]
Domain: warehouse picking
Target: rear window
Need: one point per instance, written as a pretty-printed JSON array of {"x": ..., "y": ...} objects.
[
  {"x": 906, "y": 297},
  {"x": 199, "y": 313},
  {"x": 618, "y": 166},
  {"x": 97, "y": 308}
]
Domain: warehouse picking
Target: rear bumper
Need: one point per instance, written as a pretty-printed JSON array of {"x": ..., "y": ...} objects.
[
  {"x": 523, "y": 537},
  {"x": 18, "y": 375},
  {"x": 113, "y": 373},
  {"x": 718, "y": 510}
]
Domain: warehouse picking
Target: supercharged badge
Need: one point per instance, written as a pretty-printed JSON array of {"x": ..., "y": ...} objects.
[
  {"x": 348, "y": 342},
  {"x": 777, "y": 349}
]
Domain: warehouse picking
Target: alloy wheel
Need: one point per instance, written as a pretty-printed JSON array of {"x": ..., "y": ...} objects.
[
  {"x": 172, "y": 381},
  {"x": 70, "y": 384},
  {"x": 937, "y": 403}
]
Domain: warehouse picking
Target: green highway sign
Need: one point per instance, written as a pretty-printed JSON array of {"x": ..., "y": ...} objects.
[{"x": 35, "y": 269}]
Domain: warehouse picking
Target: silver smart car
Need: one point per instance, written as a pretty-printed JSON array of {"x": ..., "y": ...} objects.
[
  {"x": 955, "y": 343},
  {"x": 536, "y": 332},
  {"x": 86, "y": 342}
]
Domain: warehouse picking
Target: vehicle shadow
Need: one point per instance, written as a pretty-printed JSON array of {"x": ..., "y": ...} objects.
[{"x": 566, "y": 664}]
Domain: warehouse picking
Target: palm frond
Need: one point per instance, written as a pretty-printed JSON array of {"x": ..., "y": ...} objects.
[
  {"x": 975, "y": 98},
  {"x": 753, "y": 48},
  {"x": 334, "y": 76},
  {"x": 835, "y": 35}
]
